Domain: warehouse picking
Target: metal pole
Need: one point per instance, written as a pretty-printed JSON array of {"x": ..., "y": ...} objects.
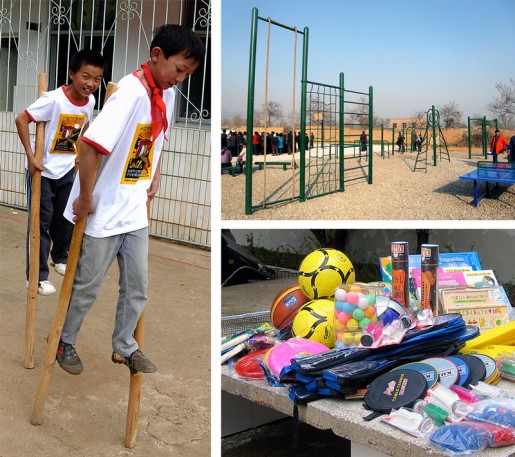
[
  {"x": 484, "y": 136},
  {"x": 371, "y": 131},
  {"x": 382, "y": 141},
  {"x": 342, "y": 126},
  {"x": 302, "y": 174},
  {"x": 433, "y": 117},
  {"x": 250, "y": 112},
  {"x": 468, "y": 136},
  {"x": 394, "y": 126}
]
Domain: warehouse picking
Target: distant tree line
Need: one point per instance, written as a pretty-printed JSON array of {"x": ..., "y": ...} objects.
[{"x": 502, "y": 108}]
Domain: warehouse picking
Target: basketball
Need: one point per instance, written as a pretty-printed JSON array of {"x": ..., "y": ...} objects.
[
  {"x": 285, "y": 306},
  {"x": 322, "y": 271},
  {"x": 315, "y": 321}
]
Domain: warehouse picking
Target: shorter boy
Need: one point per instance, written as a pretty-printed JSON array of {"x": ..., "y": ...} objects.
[{"x": 66, "y": 111}]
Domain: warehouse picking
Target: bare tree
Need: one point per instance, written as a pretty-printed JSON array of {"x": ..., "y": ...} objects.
[
  {"x": 239, "y": 120},
  {"x": 503, "y": 108},
  {"x": 450, "y": 115},
  {"x": 274, "y": 112},
  {"x": 420, "y": 119}
]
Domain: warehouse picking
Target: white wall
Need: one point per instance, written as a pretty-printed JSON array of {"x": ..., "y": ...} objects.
[{"x": 496, "y": 247}]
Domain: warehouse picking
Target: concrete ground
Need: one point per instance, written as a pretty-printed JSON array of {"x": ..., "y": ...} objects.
[{"x": 85, "y": 415}]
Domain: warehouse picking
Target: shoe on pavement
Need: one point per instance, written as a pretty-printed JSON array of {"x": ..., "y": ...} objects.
[
  {"x": 68, "y": 358},
  {"x": 44, "y": 287},
  {"x": 60, "y": 268},
  {"x": 137, "y": 361}
]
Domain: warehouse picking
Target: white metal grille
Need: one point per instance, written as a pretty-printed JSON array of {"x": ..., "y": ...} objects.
[{"x": 41, "y": 35}]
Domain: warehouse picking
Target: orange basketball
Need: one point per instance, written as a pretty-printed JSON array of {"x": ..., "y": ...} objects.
[{"x": 285, "y": 306}]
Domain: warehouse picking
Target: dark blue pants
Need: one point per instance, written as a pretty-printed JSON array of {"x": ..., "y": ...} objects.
[{"x": 54, "y": 230}]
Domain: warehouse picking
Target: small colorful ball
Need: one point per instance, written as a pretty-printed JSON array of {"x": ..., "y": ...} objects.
[
  {"x": 373, "y": 319},
  {"x": 343, "y": 317},
  {"x": 347, "y": 339},
  {"x": 338, "y": 326},
  {"x": 347, "y": 308},
  {"x": 338, "y": 305},
  {"x": 365, "y": 322},
  {"x": 352, "y": 325},
  {"x": 371, "y": 298},
  {"x": 363, "y": 303},
  {"x": 340, "y": 294},
  {"x": 369, "y": 311},
  {"x": 358, "y": 314},
  {"x": 352, "y": 298},
  {"x": 357, "y": 338},
  {"x": 355, "y": 288}
]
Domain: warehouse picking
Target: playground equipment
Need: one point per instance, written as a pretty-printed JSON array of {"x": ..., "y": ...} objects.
[
  {"x": 434, "y": 137},
  {"x": 324, "y": 168},
  {"x": 484, "y": 133}
]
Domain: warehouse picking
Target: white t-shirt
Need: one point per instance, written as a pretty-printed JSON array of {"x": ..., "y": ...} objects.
[
  {"x": 64, "y": 121},
  {"x": 122, "y": 131}
]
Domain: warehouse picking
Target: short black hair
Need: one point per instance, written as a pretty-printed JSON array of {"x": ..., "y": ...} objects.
[
  {"x": 87, "y": 57},
  {"x": 178, "y": 39}
]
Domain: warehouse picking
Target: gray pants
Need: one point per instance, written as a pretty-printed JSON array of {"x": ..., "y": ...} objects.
[{"x": 97, "y": 255}]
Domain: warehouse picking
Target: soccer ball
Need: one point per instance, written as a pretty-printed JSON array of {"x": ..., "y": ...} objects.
[
  {"x": 315, "y": 322},
  {"x": 322, "y": 271}
]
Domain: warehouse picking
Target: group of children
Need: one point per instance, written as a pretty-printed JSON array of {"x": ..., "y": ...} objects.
[{"x": 127, "y": 137}]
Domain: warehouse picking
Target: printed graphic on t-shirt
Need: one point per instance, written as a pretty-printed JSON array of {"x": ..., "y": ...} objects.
[
  {"x": 67, "y": 133},
  {"x": 139, "y": 160}
]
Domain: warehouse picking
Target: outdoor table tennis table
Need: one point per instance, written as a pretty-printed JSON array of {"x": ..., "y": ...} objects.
[{"x": 490, "y": 172}]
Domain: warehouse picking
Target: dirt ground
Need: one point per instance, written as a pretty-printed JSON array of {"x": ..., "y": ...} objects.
[{"x": 85, "y": 415}]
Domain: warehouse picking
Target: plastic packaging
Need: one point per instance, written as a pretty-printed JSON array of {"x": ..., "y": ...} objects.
[
  {"x": 410, "y": 421},
  {"x": 494, "y": 411},
  {"x": 445, "y": 398},
  {"x": 465, "y": 394},
  {"x": 467, "y": 438},
  {"x": 354, "y": 310},
  {"x": 484, "y": 390}
]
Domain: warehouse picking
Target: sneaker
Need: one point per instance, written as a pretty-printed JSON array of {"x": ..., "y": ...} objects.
[
  {"x": 136, "y": 362},
  {"x": 68, "y": 358},
  {"x": 44, "y": 287},
  {"x": 60, "y": 268}
]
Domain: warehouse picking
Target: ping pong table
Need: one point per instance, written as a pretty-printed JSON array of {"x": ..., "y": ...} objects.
[{"x": 490, "y": 172}]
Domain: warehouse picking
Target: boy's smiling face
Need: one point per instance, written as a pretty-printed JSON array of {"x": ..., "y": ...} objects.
[
  {"x": 172, "y": 71},
  {"x": 84, "y": 82}
]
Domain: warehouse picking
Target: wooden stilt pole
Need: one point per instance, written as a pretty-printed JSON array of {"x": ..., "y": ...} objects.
[
  {"x": 136, "y": 379},
  {"x": 62, "y": 306},
  {"x": 34, "y": 241}
]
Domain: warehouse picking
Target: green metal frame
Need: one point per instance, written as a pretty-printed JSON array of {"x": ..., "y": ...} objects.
[
  {"x": 302, "y": 196},
  {"x": 433, "y": 123},
  {"x": 484, "y": 137}
]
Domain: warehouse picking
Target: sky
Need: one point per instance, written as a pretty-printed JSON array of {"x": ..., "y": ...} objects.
[{"x": 414, "y": 54}]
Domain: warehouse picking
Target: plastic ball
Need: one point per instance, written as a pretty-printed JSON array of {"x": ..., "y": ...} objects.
[
  {"x": 352, "y": 325},
  {"x": 358, "y": 314},
  {"x": 363, "y": 303},
  {"x": 339, "y": 327},
  {"x": 347, "y": 308},
  {"x": 357, "y": 338},
  {"x": 347, "y": 339},
  {"x": 371, "y": 298},
  {"x": 340, "y": 294},
  {"x": 343, "y": 317},
  {"x": 364, "y": 323},
  {"x": 369, "y": 311},
  {"x": 355, "y": 288},
  {"x": 338, "y": 305},
  {"x": 373, "y": 319},
  {"x": 352, "y": 298}
]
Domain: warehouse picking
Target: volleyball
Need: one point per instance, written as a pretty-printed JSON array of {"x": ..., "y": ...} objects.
[
  {"x": 322, "y": 271},
  {"x": 285, "y": 306},
  {"x": 315, "y": 321}
]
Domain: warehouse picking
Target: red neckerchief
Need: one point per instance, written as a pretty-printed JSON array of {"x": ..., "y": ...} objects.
[{"x": 157, "y": 105}]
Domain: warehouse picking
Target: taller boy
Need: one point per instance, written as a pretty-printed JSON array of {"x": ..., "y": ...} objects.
[
  {"x": 66, "y": 111},
  {"x": 128, "y": 134}
]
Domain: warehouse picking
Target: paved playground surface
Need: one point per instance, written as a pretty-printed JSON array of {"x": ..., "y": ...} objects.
[{"x": 85, "y": 415}]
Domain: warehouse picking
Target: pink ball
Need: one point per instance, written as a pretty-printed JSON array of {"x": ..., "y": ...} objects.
[
  {"x": 352, "y": 298},
  {"x": 343, "y": 317}
]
